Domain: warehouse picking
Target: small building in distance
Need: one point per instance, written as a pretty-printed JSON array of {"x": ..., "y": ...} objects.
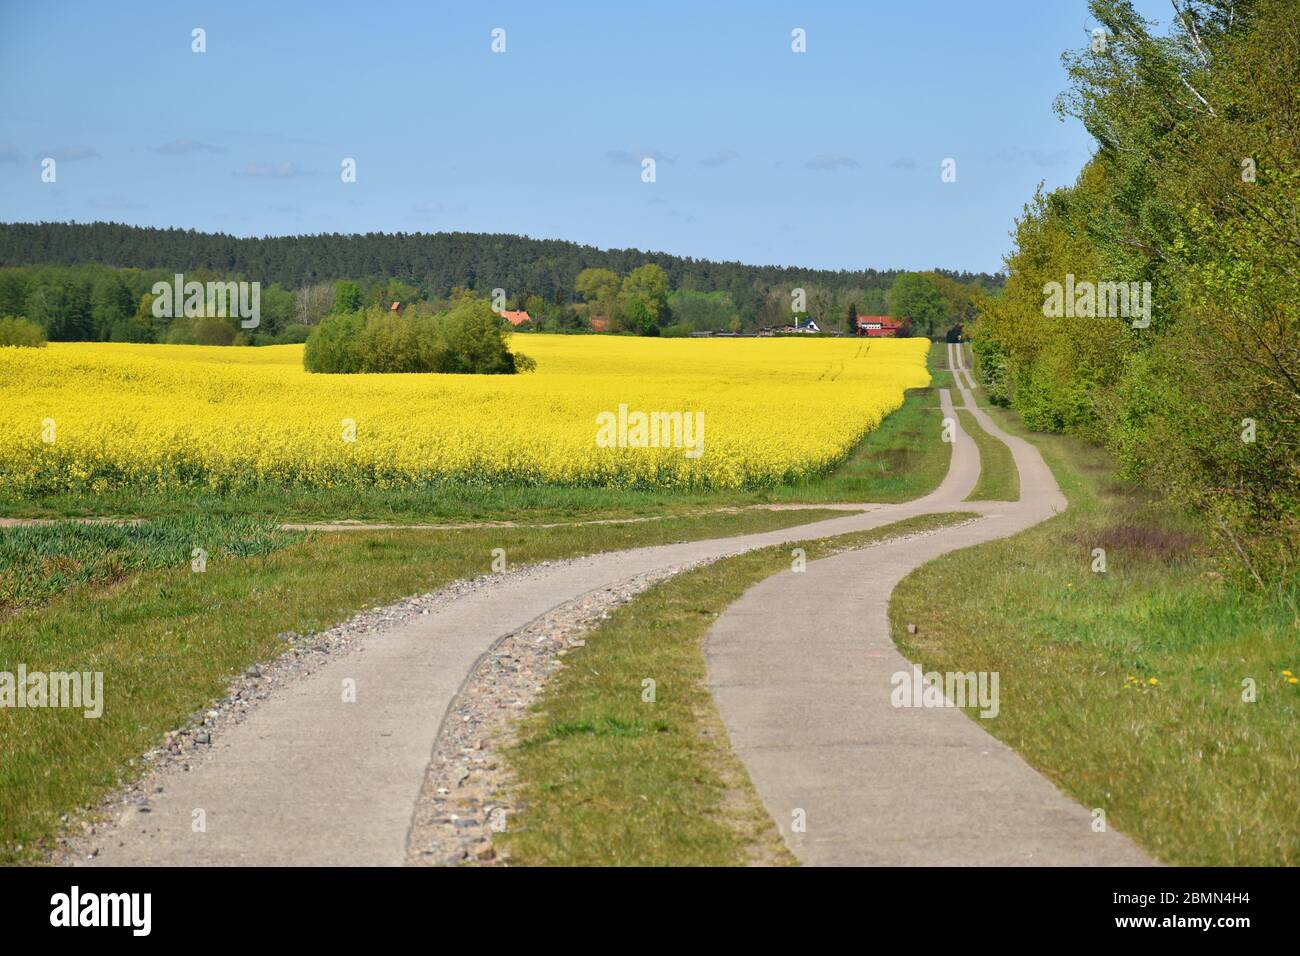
[
  {"x": 516, "y": 318},
  {"x": 812, "y": 328},
  {"x": 877, "y": 326},
  {"x": 599, "y": 323}
]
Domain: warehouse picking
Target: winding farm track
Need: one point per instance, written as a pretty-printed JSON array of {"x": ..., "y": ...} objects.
[
  {"x": 309, "y": 780},
  {"x": 801, "y": 666}
]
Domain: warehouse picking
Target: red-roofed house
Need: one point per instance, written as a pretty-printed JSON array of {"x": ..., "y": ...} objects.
[
  {"x": 877, "y": 325},
  {"x": 599, "y": 323},
  {"x": 516, "y": 318}
]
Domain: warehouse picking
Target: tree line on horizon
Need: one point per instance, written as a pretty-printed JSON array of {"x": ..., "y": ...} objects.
[
  {"x": 93, "y": 301},
  {"x": 538, "y": 275}
]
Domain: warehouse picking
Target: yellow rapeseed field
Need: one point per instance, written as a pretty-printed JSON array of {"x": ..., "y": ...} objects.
[{"x": 86, "y": 417}]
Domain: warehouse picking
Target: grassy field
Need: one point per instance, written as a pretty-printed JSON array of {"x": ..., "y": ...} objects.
[
  {"x": 999, "y": 478},
  {"x": 613, "y": 780},
  {"x": 167, "y": 641},
  {"x": 39, "y": 561},
  {"x": 1125, "y": 687}
]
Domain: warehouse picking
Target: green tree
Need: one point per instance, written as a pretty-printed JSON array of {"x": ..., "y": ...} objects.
[
  {"x": 914, "y": 297},
  {"x": 277, "y": 309},
  {"x": 1191, "y": 189},
  {"x": 17, "y": 331},
  {"x": 466, "y": 340},
  {"x": 961, "y": 299},
  {"x": 62, "y": 308},
  {"x": 599, "y": 288},
  {"x": 13, "y": 291},
  {"x": 597, "y": 285},
  {"x": 213, "y": 330},
  {"x": 702, "y": 311},
  {"x": 111, "y": 303},
  {"x": 335, "y": 344},
  {"x": 347, "y": 297},
  {"x": 643, "y": 299}
]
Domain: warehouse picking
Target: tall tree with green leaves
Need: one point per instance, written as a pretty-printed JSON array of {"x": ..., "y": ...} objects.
[
  {"x": 915, "y": 298},
  {"x": 1192, "y": 190},
  {"x": 643, "y": 299},
  {"x": 111, "y": 303},
  {"x": 347, "y": 297}
]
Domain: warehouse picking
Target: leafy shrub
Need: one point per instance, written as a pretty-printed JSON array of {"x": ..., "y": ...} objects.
[
  {"x": 15, "y": 330},
  {"x": 335, "y": 344},
  {"x": 293, "y": 334},
  {"x": 211, "y": 330},
  {"x": 180, "y": 332},
  {"x": 467, "y": 340},
  {"x": 204, "y": 330},
  {"x": 130, "y": 330}
]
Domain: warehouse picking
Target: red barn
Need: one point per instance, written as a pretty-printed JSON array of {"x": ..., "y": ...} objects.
[{"x": 877, "y": 325}]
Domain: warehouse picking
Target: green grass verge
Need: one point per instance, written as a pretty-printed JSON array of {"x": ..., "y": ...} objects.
[
  {"x": 1185, "y": 766},
  {"x": 937, "y": 362},
  {"x": 609, "y": 779},
  {"x": 999, "y": 477},
  {"x": 168, "y": 641},
  {"x": 39, "y": 561}
]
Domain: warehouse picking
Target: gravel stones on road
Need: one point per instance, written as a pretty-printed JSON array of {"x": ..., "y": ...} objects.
[
  {"x": 468, "y": 794},
  {"x": 465, "y": 764}
]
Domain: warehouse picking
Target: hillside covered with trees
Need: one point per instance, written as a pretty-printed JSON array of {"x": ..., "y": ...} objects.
[{"x": 539, "y": 275}]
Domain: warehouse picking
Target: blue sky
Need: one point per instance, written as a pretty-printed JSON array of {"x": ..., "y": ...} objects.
[{"x": 829, "y": 158}]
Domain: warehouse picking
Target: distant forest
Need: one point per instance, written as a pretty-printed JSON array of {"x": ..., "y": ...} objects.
[{"x": 541, "y": 273}]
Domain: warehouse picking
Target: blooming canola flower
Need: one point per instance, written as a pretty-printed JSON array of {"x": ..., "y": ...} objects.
[{"x": 84, "y": 417}]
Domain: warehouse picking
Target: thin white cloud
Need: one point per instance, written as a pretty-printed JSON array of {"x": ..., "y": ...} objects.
[
  {"x": 273, "y": 170},
  {"x": 1035, "y": 156},
  {"x": 70, "y": 154},
  {"x": 627, "y": 157},
  {"x": 186, "y": 147},
  {"x": 720, "y": 158},
  {"x": 831, "y": 163}
]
